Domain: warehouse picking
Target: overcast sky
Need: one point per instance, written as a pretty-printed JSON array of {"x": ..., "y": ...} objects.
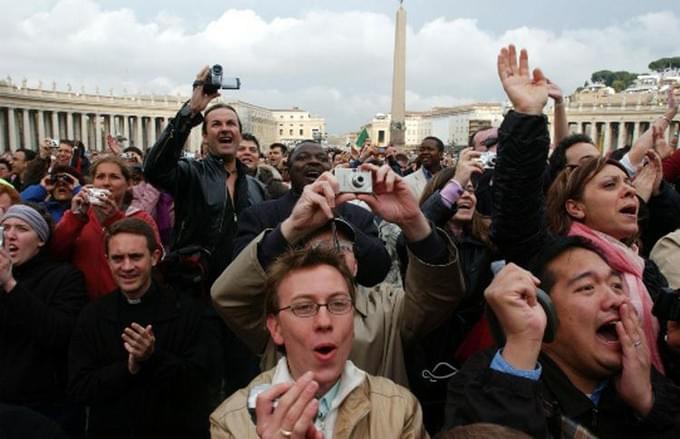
[{"x": 332, "y": 58}]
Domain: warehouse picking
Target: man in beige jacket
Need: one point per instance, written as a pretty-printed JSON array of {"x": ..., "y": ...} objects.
[
  {"x": 314, "y": 391},
  {"x": 386, "y": 317}
]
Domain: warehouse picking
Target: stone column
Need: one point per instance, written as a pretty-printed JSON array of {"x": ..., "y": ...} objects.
[
  {"x": 27, "y": 129},
  {"x": 607, "y": 137},
  {"x": 55, "y": 125},
  {"x": 126, "y": 126},
  {"x": 139, "y": 138},
  {"x": 12, "y": 128},
  {"x": 83, "y": 130},
  {"x": 622, "y": 135},
  {"x": 593, "y": 133},
  {"x": 98, "y": 132},
  {"x": 69, "y": 125},
  {"x": 41, "y": 126},
  {"x": 3, "y": 144},
  {"x": 636, "y": 130},
  {"x": 112, "y": 125},
  {"x": 152, "y": 131}
]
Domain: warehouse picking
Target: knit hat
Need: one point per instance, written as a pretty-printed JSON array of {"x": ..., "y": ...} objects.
[{"x": 31, "y": 216}]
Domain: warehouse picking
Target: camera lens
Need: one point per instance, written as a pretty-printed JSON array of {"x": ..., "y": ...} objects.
[{"x": 358, "y": 181}]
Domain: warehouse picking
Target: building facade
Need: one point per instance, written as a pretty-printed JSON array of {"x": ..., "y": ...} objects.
[
  {"x": 294, "y": 125},
  {"x": 29, "y": 115},
  {"x": 615, "y": 120}
]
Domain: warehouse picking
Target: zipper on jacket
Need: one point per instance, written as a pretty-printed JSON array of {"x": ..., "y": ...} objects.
[{"x": 595, "y": 413}]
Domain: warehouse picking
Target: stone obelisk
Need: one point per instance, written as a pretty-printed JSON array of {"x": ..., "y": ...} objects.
[{"x": 398, "y": 123}]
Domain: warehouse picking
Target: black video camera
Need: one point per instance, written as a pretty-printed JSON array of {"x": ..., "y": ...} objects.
[
  {"x": 667, "y": 305},
  {"x": 215, "y": 81}
]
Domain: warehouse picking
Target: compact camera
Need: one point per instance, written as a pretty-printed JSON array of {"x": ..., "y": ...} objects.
[
  {"x": 2, "y": 236},
  {"x": 97, "y": 196},
  {"x": 215, "y": 81},
  {"x": 354, "y": 180},
  {"x": 53, "y": 143},
  {"x": 252, "y": 399},
  {"x": 488, "y": 160},
  {"x": 128, "y": 156}
]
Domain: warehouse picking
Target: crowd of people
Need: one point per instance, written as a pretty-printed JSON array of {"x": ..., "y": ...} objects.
[{"x": 523, "y": 287}]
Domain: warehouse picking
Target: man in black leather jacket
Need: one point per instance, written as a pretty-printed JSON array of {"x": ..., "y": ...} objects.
[{"x": 210, "y": 193}]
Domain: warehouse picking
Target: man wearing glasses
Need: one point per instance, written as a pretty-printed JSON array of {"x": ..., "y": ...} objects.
[
  {"x": 314, "y": 389},
  {"x": 387, "y": 317}
]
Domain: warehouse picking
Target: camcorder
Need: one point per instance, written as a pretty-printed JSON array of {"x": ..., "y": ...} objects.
[
  {"x": 667, "y": 305},
  {"x": 354, "y": 181},
  {"x": 216, "y": 81}
]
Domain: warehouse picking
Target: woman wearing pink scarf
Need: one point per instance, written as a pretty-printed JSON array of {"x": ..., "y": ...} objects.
[{"x": 598, "y": 202}]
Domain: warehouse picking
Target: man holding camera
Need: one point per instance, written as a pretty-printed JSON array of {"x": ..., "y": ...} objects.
[
  {"x": 209, "y": 194},
  {"x": 387, "y": 317},
  {"x": 306, "y": 163}
]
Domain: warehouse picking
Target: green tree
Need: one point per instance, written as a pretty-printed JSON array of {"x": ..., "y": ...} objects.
[
  {"x": 663, "y": 63},
  {"x": 618, "y": 80}
]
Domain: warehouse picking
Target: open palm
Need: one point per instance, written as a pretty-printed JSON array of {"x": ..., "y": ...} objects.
[{"x": 527, "y": 93}]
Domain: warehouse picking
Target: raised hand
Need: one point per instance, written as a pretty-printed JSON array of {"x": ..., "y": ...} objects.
[
  {"x": 393, "y": 201},
  {"x": 314, "y": 208},
  {"x": 555, "y": 92},
  {"x": 468, "y": 164},
  {"x": 512, "y": 297},
  {"x": 199, "y": 98},
  {"x": 527, "y": 93},
  {"x": 634, "y": 383}
]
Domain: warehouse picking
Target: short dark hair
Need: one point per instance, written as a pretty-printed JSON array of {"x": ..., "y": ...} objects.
[
  {"x": 135, "y": 150},
  {"x": 298, "y": 259},
  {"x": 133, "y": 226},
  {"x": 204, "y": 128},
  {"x": 437, "y": 140},
  {"x": 281, "y": 146},
  {"x": 551, "y": 250},
  {"x": 471, "y": 139},
  {"x": 252, "y": 138},
  {"x": 68, "y": 142},
  {"x": 480, "y": 430},
  {"x": 28, "y": 153},
  {"x": 558, "y": 159},
  {"x": 291, "y": 156}
]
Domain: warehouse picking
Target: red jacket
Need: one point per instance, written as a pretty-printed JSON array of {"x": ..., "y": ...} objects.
[
  {"x": 671, "y": 167},
  {"x": 82, "y": 243}
]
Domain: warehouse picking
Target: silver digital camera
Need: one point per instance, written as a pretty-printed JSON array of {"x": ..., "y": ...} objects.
[
  {"x": 488, "y": 159},
  {"x": 96, "y": 195},
  {"x": 354, "y": 181},
  {"x": 252, "y": 399}
]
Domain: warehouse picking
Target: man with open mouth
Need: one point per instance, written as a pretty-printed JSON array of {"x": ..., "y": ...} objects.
[
  {"x": 594, "y": 378},
  {"x": 314, "y": 389}
]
